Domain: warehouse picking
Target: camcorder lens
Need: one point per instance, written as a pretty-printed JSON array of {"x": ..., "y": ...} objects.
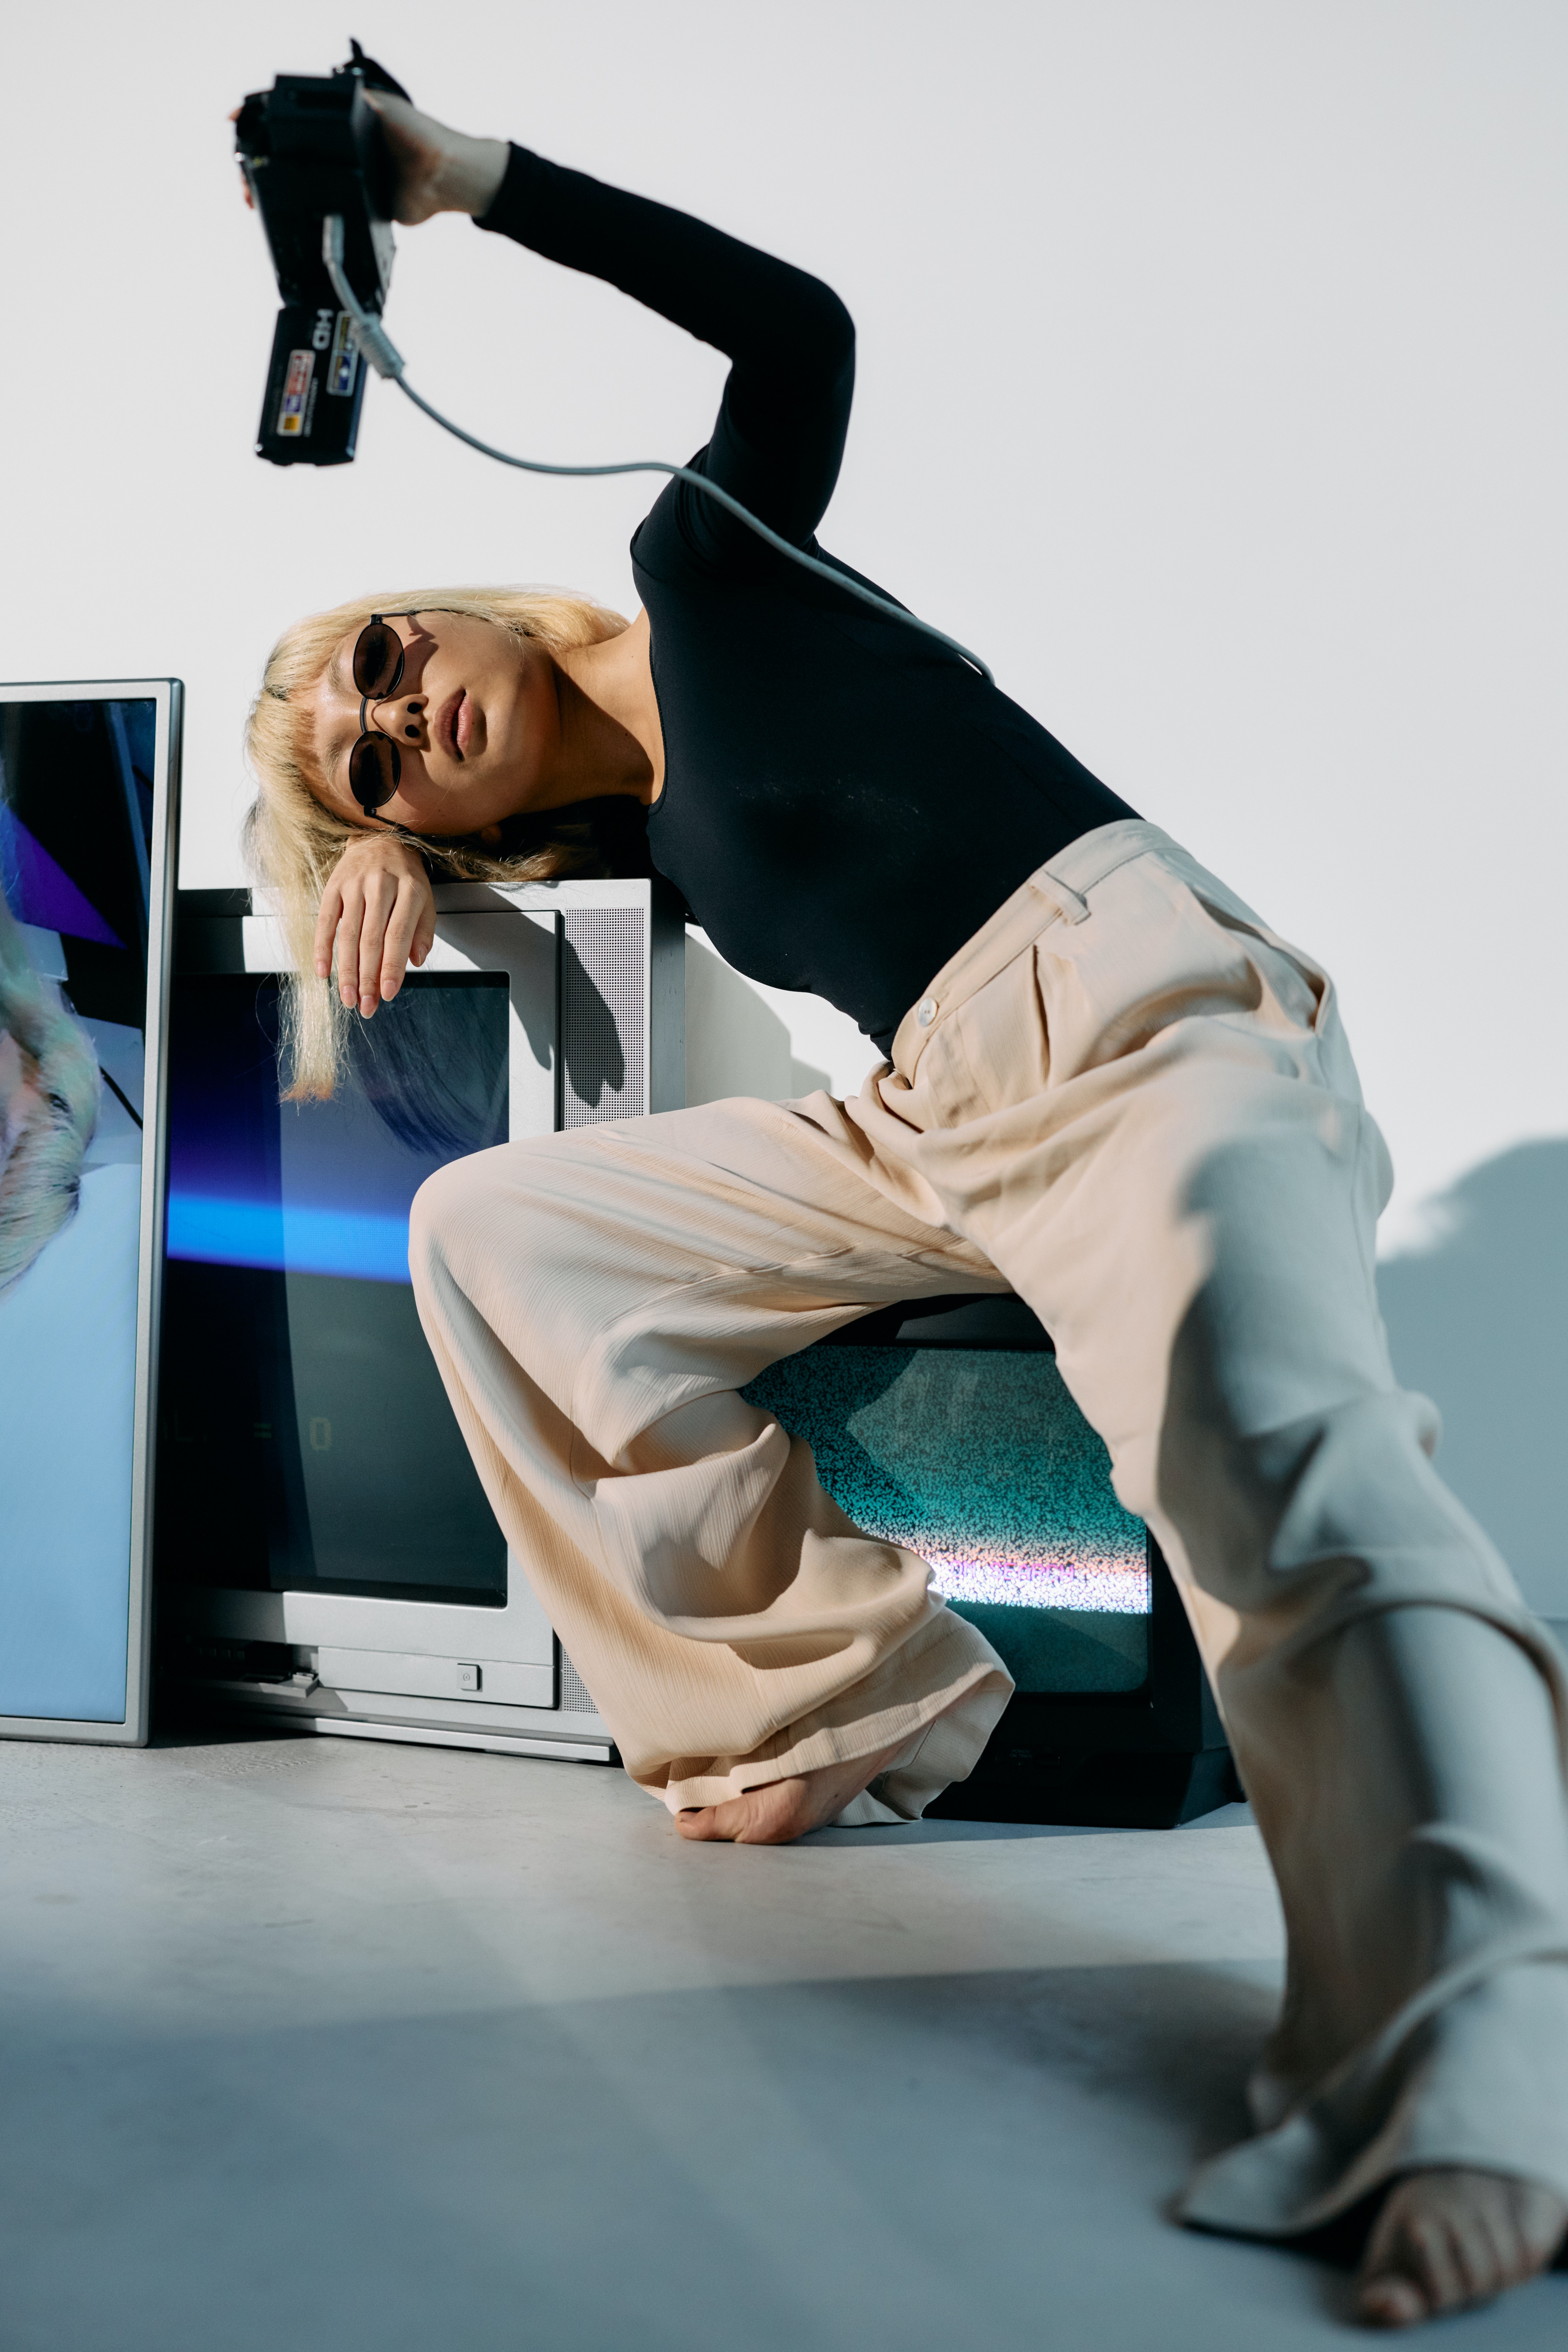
[
  {"x": 378, "y": 660},
  {"x": 374, "y": 767}
]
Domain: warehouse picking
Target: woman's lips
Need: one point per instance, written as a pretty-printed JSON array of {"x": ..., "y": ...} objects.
[{"x": 455, "y": 724}]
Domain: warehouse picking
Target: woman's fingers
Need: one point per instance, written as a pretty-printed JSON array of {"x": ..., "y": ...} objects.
[
  {"x": 327, "y": 923},
  {"x": 401, "y": 943},
  {"x": 244, "y": 184},
  {"x": 351, "y": 921},
  {"x": 376, "y": 909},
  {"x": 434, "y": 168},
  {"x": 364, "y": 901},
  {"x": 380, "y": 890}
]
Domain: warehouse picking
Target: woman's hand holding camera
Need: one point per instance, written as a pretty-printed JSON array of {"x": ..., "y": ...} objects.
[
  {"x": 437, "y": 170},
  {"x": 380, "y": 911}
]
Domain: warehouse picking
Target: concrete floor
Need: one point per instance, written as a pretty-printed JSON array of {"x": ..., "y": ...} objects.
[{"x": 327, "y": 2043}]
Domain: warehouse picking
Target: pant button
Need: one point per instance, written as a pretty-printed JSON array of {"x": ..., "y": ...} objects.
[{"x": 925, "y": 1012}]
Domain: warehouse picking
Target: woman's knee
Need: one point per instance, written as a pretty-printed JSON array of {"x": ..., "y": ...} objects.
[{"x": 460, "y": 1206}]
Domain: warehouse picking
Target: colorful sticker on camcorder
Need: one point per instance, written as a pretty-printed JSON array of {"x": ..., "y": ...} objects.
[
  {"x": 296, "y": 385},
  {"x": 344, "y": 366}
]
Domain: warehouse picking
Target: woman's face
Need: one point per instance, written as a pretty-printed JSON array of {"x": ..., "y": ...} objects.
[{"x": 476, "y": 718}]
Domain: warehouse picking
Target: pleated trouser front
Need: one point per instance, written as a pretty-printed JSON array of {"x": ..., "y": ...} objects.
[{"x": 1131, "y": 1103}]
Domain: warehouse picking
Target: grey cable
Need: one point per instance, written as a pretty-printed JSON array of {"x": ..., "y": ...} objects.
[{"x": 387, "y": 360}]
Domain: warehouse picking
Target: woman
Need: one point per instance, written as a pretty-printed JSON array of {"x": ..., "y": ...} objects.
[{"x": 1109, "y": 1087}]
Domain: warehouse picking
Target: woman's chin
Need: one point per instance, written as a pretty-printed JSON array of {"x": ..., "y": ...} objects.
[{"x": 448, "y": 827}]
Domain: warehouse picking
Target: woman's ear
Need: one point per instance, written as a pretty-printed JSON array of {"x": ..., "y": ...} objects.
[{"x": 490, "y": 834}]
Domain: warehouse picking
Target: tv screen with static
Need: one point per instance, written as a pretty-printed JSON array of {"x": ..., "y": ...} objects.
[
  {"x": 306, "y": 1437},
  {"x": 978, "y": 1459}
]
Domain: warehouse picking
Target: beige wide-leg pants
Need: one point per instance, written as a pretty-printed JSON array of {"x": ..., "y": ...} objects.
[{"x": 1132, "y": 1104}]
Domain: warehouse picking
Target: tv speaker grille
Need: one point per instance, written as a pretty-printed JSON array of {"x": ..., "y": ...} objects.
[
  {"x": 603, "y": 1015},
  {"x": 576, "y": 1697}
]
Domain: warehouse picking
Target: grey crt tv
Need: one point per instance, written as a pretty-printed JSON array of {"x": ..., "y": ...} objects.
[
  {"x": 89, "y": 807},
  {"x": 325, "y": 1552}
]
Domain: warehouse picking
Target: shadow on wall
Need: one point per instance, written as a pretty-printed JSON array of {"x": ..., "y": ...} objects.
[
  {"x": 1479, "y": 1322},
  {"x": 736, "y": 1043}
]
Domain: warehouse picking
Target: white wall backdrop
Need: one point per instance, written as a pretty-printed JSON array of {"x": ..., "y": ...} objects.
[{"x": 1212, "y": 383}]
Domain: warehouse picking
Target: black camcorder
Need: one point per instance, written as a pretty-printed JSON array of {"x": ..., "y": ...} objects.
[{"x": 310, "y": 146}]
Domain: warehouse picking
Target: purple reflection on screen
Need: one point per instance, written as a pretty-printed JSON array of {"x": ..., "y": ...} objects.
[{"x": 40, "y": 891}]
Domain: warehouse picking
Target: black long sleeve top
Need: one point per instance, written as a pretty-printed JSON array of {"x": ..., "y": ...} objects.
[{"x": 845, "y": 802}]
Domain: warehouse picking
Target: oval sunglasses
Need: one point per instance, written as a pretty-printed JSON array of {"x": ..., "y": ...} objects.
[{"x": 376, "y": 763}]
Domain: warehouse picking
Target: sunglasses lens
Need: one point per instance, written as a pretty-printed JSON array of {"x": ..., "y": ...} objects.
[
  {"x": 378, "y": 660},
  {"x": 374, "y": 767}
]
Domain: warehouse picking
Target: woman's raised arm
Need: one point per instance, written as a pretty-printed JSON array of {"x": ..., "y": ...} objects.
[{"x": 779, "y": 434}]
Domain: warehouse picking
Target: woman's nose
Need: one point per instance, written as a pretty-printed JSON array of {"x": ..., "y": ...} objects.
[{"x": 401, "y": 716}]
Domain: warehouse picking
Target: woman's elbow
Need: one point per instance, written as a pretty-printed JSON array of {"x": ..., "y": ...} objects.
[{"x": 833, "y": 327}]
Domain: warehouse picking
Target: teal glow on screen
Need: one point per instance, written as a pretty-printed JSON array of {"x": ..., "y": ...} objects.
[{"x": 979, "y": 1461}]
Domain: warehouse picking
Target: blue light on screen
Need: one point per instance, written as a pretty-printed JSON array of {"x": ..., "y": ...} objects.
[
  {"x": 272, "y": 1186},
  {"x": 216, "y": 1231}
]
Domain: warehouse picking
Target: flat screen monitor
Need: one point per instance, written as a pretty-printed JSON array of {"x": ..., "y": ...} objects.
[{"x": 88, "y": 806}]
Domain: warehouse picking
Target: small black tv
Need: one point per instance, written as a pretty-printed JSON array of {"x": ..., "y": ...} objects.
[{"x": 945, "y": 1426}]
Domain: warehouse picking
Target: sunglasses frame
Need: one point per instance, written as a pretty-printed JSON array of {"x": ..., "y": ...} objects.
[{"x": 373, "y": 798}]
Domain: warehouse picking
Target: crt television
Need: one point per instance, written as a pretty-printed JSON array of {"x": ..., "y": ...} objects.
[
  {"x": 945, "y": 1426},
  {"x": 325, "y": 1552}
]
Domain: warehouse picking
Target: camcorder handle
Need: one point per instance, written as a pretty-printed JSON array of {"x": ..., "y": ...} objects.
[{"x": 313, "y": 148}]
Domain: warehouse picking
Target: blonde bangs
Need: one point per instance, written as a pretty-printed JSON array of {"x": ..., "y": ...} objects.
[{"x": 293, "y": 840}]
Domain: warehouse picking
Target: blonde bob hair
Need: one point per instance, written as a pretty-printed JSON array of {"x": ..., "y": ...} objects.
[{"x": 293, "y": 839}]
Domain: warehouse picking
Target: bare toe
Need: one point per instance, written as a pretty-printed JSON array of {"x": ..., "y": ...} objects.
[
  {"x": 1391, "y": 2301},
  {"x": 1451, "y": 2237}
]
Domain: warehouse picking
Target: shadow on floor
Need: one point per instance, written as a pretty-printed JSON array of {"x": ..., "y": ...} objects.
[
  {"x": 889, "y": 2165},
  {"x": 1479, "y": 1322},
  {"x": 206, "y": 1731},
  {"x": 945, "y": 1833}
]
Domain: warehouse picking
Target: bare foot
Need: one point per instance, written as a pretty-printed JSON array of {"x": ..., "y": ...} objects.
[
  {"x": 1451, "y": 2237},
  {"x": 783, "y": 1810}
]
